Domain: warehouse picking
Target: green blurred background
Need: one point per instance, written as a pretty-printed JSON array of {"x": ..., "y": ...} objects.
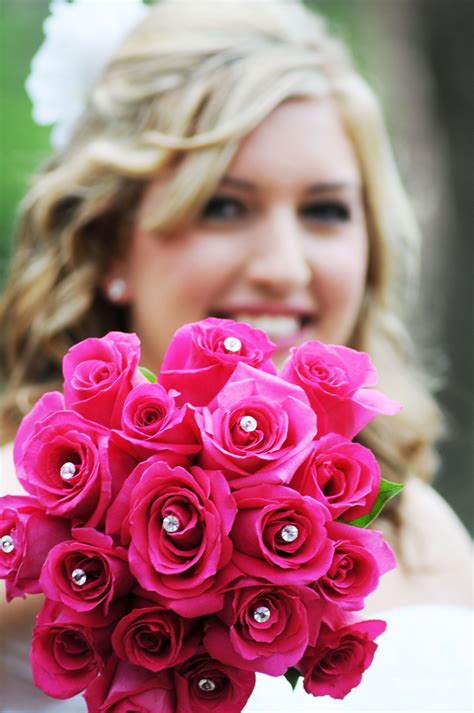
[{"x": 416, "y": 54}]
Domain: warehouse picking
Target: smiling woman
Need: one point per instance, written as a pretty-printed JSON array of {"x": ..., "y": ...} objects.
[
  {"x": 229, "y": 163},
  {"x": 282, "y": 244}
]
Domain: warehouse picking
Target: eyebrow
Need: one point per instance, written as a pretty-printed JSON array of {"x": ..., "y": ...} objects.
[{"x": 322, "y": 187}]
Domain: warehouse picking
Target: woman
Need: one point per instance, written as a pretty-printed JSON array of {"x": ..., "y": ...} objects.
[{"x": 232, "y": 163}]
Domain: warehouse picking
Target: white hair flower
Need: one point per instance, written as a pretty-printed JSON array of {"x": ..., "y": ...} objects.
[{"x": 80, "y": 40}]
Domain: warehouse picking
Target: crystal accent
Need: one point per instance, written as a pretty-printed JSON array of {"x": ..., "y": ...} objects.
[
  {"x": 232, "y": 344},
  {"x": 67, "y": 471},
  {"x": 289, "y": 533},
  {"x": 7, "y": 544},
  {"x": 171, "y": 523},
  {"x": 79, "y": 577},
  {"x": 207, "y": 685},
  {"x": 261, "y": 614},
  {"x": 248, "y": 424}
]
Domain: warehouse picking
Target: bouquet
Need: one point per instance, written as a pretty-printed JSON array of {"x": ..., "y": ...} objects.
[{"x": 193, "y": 528}]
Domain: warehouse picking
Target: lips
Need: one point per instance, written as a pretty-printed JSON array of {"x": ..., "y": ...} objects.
[{"x": 285, "y": 325}]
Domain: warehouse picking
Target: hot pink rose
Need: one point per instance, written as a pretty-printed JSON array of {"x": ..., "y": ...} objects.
[
  {"x": 179, "y": 526},
  {"x": 152, "y": 422},
  {"x": 342, "y": 475},
  {"x": 336, "y": 664},
  {"x": 264, "y": 628},
  {"x": 26, "y": 536},
  {"x": 98, "y": 375},
  {"x": 258, "y": 430},
  {"x": 335, "y": 380},
  {"x": 204, "y": 684},
  {"x": 86, "y": 573},
  {"x": 202, "y": 357},
  {"x": 360, "y": 558},
  {"x": 280, "y": 535},
  {"x": 62, "y": 459},
  {"x": 155, "y": 638},
  {"x": 66, "y": 654},
  {"x": 123, "y": 688}
]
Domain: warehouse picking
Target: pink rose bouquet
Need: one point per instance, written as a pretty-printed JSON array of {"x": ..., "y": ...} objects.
[{"x": 192, "y": 528}]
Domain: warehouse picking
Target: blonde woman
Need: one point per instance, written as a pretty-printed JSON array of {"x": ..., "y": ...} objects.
[{"x": 229, "y": 161}]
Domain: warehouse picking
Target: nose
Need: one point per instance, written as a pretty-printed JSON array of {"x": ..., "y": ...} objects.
[{"x": 278, "y": 263}]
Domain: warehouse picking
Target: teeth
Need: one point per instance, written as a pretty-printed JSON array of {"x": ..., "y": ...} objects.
[{"x": 275, "y": 326}]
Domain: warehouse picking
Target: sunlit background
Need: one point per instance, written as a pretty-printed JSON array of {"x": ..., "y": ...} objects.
[{"x": 418, "y": 56}]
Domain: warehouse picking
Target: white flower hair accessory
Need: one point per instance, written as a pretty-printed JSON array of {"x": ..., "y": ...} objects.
[{"x": 80, "y": 40}]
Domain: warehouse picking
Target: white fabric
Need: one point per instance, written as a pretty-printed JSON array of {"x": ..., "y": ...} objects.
[{"x": 424, "y": 663}]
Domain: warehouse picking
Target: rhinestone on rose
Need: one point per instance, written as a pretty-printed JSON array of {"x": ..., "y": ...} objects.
[
  {"x": 248, "y": 424},
  {"x": 67, "y": 471},
  {"x": 207, "y": 685},
  {"x": 79, "y": 577},
  {"x": 232, "y": 344},
  {"x": 171, "y": 523},
  {"x": 7, "y": 545},
  {"x": 289, "y": 533},
  {"x": 261, "y": 614}
]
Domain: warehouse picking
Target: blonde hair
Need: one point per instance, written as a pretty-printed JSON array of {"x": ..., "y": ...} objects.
[{"x": 182, "y": 91}]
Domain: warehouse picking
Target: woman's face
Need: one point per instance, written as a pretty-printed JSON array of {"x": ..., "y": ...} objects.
[{"x": 282, "y": 244}]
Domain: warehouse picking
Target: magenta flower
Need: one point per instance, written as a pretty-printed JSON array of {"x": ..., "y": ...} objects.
[
  {"x": 26, "y": 536},
  {"x": 280, "y": 535},
  {"x": 98, "y": 375},
  {"x": 202, "y": 356},
  {"x": 258, "y": 430},
  {"x": 335, "y": 380}
]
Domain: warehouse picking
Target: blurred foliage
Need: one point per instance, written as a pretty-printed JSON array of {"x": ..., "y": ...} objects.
[{"x": 25, "y": 144}]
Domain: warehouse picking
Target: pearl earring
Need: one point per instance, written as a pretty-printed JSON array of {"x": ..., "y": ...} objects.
[{"x": 116, "y": 289}]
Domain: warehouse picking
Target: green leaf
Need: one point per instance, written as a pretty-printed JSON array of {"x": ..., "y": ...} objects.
[
  {"x": 148, "y": 374},
  {"x": 292, "y": 675},
  {"x": 387, "y": 490}
]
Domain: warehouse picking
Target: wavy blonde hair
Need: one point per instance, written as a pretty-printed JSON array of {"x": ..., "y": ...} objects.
[{"x": 181, "y": 93}]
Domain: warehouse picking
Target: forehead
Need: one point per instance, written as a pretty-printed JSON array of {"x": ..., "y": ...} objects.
[{"x": 300, "y": 137}]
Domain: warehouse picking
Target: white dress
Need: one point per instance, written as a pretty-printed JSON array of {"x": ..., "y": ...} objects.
[{"x": 424, "y": 662}]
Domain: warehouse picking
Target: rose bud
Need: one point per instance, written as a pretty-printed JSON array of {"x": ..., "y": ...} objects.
[
  {"x": 335, "y": 380},
  {"x": 266, "y": 628},
  {"x": 123, "y": 687},
  {"x": 204, "y": 684},
  {"x": 342, "y": 475},
  {"x": 336, "y": 664},
  {"x": 360, "y": 558},
  {"x": 202, "y": 356},
  {"x": 62, "y": 459},
  {"x": 66, "y": 654},
  {"x": 152, "y": 422},
  {"x": 26, "y": 536},
  {"x": 280, "y": 535},
  {"x": 155, "y": 638},
  {"x": 258, "y": 430},
  {"x": 179, "y": 525},
  {"x": 87, "y": 573},
  {"x": 98, "y": 375}
]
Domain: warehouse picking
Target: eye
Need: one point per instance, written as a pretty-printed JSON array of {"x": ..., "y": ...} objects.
[
  {"x": 222, "y": 208},
  {"x": 327, "y": 212}
]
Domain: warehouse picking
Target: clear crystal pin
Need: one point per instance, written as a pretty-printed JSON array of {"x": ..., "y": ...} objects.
[
  {"x": 207, "y": 685},
  {"x": 67, "y": 471},
  {"x": 7, "y": 544},
  {"x": 79, "y": 577},
  {"x": 248, "y": 424},
  {"x": 232, "y": 344},
  {"x": 261, "y": 614},
  {"x": 289, "y": 533},
  {"x": 171, "y": 523}
]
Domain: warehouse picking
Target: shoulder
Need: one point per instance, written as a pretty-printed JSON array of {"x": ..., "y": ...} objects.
[
  {"x": 433, "y": 552},
  {"x": 9, "y": 483},
  {"x": 431, "y": 532}
]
